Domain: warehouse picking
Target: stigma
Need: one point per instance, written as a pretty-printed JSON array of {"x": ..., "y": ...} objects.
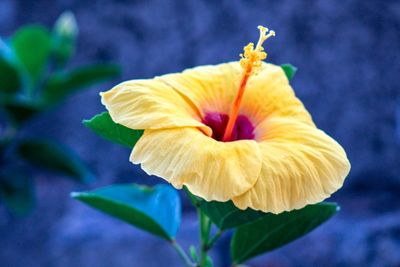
[{"x": 251, "y": 61}]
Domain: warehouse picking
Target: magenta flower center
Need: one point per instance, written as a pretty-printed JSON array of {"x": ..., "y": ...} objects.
[{"x": 243, "y": 128}]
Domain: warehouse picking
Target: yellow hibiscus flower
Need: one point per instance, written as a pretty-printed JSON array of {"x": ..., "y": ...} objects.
[{"x": 234, "y": 131}]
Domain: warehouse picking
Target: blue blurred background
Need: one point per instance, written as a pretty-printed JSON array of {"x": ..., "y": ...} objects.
[{"x": 348, "y": 57}]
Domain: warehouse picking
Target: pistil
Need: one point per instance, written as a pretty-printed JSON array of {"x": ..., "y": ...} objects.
[{"x": 251, "y": 61}]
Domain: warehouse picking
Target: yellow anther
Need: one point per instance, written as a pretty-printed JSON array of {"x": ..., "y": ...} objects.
[{"x": 252, "y": 58}]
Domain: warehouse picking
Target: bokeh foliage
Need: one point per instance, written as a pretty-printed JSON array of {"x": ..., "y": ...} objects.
[{"x": 34, "y": 78}]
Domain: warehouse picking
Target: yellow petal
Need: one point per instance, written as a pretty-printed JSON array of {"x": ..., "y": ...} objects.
[
  {"x": 301, "y": 165},
  {"x": 151, "y": 104},
  {"x": 269, "y": 94},
  {"x": 210, "y": 88},
  {"x": 210, "y": 169}
]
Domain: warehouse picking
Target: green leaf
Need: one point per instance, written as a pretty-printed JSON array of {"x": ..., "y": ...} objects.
[
  {"x": 193, "y": 253},
  {"x": 103, "y": 125},
  {"x": 9, "y": 77},
  {"x": 289, "y": 70},
  {"x": 156, "y": 210},
  {"x": 31, "y": 45},
  {"x": 273, "y": 231},
  {"x": 55, "y": 157},
  {"x": 64, "y": 37},
  {"x": 208, "y": 262},
  {"x": 20, "y": 110},
  {"x": 225, "y": 215},
  {"x": 16, "y": 191},
  {"x": 63, "y": 84}
]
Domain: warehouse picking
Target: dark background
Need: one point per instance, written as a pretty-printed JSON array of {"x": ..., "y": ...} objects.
[{"x": 348, "y": 58}]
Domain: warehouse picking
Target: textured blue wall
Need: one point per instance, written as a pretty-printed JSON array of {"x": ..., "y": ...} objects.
[{"x": 348, "y": 58}]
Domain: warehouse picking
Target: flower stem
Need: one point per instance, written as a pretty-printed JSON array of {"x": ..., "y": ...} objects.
[
  {"x": 182, "y": 254},
  {"x": 214, "y": 239},
  {"x": 205, "y": 227}
]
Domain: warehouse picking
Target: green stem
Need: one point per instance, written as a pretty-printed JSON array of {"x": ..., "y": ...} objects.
[
  {"x": 205, "y": 227},
  {"x": 182, "y": 254},
  {"x": 214, "y": 239}
]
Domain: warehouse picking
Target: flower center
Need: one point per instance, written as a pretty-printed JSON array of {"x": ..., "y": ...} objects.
[
  {"x": 251, "y": 61},
  {"x": 243, "y": 128}
]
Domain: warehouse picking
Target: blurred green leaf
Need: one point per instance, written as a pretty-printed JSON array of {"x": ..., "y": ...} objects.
[
  {"x": 225, "y": 215},
  {"x": 20, "y": 110},
  {"x": 193, "y": 253},
  {"x": 60, "y": 85},
  {"x": 16, "y": 191},
  {"x": 103, "y": 125},
  {"x": 289, "y": 70},
  {"x": 273, "y": 231},
  {"x": 64, "y": 37},
  {"x": 9, "y": 77},
  {"x": 208, "y": 262},
  {"x": 55, "y": 157},
  {"x": 31, "y": 45},
  {"x": 156, "y": 210}
]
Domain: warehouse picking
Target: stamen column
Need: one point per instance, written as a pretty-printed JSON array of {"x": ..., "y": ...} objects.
[{"x": 251, "y": 60}]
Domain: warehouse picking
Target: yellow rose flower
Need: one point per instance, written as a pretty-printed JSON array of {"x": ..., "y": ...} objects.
[{"x": 234, "y": 131}]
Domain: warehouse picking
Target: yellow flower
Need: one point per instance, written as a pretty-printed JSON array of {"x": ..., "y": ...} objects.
[{"x": 234, "y": 131}]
